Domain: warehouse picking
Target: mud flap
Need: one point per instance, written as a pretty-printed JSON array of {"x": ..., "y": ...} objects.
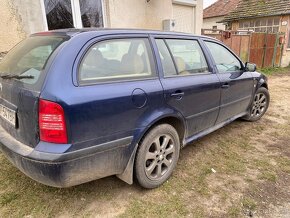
[{"x": 127, "y": 175}]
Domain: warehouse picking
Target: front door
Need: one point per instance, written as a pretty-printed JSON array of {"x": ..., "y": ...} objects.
[
  {"x": 189, "y": 85},
  {"x": 236, "y": 85}
]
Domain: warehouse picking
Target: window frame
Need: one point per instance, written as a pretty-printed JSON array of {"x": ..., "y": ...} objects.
[
  {"x": 173, "y": 37},
  {"x": 229, "y": 50},
  {"x": 76, "y": 14},
  {"x": 76, "y": 68},
  {"x": 243, "y": 24}
]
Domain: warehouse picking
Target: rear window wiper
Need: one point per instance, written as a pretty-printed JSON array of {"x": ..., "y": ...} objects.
[{"x": 17, "y": 77}]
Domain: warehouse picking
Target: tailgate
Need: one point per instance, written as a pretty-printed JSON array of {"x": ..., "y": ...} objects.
[
  {"x": 22, "y": 75},
  {"x": 19, "y": 112}
]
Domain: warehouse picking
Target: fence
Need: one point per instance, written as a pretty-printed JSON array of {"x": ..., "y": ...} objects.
[{"x": 263, "y": 49}]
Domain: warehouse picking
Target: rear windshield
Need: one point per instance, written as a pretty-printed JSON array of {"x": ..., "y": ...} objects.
[{"x": 27, "y": 60}]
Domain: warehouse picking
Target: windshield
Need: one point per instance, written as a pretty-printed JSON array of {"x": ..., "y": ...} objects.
[{"x": 27, "y": 60}]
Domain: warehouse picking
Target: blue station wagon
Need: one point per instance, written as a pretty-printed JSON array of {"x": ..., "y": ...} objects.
[{"x": 78, "y": 105}]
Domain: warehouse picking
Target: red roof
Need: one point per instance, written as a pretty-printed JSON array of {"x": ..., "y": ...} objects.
[{"x": 220, "y": 8}]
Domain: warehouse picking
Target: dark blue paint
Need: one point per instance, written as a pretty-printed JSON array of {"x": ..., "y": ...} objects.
[{"x": 106, "y": 114}]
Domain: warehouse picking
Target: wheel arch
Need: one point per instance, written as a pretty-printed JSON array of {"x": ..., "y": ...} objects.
[
  {"x": 177, "y": 121},
  {"x": 262, "y": 83}
]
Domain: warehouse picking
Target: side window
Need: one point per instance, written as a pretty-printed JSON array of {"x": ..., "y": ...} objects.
[
  {"x": 188, "y": 56},
  {"x": 117, "y": 60},
  {"x": 166, "y": 60},
  {"x": 224, "y": 59}
]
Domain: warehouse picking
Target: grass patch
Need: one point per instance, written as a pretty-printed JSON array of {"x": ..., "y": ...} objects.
[
  {"x": 249, "y": 204},
  {"x": 7, "y": 198},
  {"x": 284, "y": 164},
  {"x": 162, "y": 206},
  {"x": 234, "y": 211},
  {"x": 275, "y": 70},
  {"x": 269, "y": 176}
]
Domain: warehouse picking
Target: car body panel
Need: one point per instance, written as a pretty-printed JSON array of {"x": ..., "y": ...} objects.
[{"x": 104, "y": 122}]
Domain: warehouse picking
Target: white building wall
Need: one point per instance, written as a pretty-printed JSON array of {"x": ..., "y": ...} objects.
[{"x": 208, "y": 23}]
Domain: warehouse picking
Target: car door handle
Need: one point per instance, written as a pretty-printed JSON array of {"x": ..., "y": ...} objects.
[
  {"x": 225, "y": 86},
  {"x": 178, "y": 94}
]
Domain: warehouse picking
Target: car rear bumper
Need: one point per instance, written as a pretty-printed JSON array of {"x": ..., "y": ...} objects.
[{"x": 67, "y": 169}]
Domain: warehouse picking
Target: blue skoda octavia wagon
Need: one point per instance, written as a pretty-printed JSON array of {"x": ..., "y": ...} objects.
[{"x": 78, "y": 105}]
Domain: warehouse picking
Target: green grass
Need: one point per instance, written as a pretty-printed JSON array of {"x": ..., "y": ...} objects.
[
  {"x": 161, "y": 206},
  {"x": 275, "y": 70},
  {"x": 234, "y": 211},
  {"x": 7, "y": 198},
  {"x": 249, "y": 203},
  {"x": 269, "y": 176}
]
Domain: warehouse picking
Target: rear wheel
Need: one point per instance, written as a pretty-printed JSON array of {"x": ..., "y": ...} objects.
[
  {"x": 157, "y": 156},
  {"x": 259, "y": 105}
]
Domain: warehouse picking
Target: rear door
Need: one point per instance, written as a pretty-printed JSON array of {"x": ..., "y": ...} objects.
[
  {"x": 236, "y": 84},
  {"x": 190, "y": 86},
  {"x": 117, "y": 87}
]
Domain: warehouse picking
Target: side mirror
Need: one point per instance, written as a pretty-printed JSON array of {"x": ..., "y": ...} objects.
[{"x": 250, "y": 67}]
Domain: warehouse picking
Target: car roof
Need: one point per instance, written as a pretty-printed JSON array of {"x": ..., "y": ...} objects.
[{"x": 73, "y": 31}]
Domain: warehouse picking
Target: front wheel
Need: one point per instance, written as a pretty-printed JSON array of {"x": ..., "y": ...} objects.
[
  {"x": 259, "y": 105},
  {"x": 157, "y": 156}
]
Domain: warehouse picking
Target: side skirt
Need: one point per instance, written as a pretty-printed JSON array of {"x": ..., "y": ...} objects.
[{"x": 212, "y": 129}]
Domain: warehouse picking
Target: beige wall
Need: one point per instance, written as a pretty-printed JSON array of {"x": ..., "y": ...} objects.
[
  {"x": 149, "y": 15},
  {"x": 184, "y": 18},
  {"x": 11, "y": 31},
  {"x": 208, "y": 23},
  {"x": 19, "y": 18},
  {"x": 199, "y": 16},
  {"x": 30, "y": 14},
  {"x": 286, "y": 54},
  {"x": 138, "y": 14},
  {"x": 285, "y": 62}
]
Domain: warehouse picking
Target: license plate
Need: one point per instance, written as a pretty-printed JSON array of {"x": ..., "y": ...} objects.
[{"x": 8, "y": 114}]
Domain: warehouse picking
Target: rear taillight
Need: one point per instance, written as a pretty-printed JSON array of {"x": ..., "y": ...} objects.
[{"x": 52, "y": 125}]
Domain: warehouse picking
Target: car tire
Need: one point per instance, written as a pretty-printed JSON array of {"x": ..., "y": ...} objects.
[
  {"x": 259, "y": 105},
  {"x": 157, "y": 156}
]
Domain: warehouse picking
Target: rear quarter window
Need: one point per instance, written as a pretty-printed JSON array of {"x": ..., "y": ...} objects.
[{"x": 117, "y": 60}]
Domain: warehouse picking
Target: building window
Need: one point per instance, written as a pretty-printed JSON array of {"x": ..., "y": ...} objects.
[
  {"x": 91, "y": 13},
  {"x": 270, "y": 25},
  {"x": 60, "y": 14},
  {"x": 214, "y": 27}
]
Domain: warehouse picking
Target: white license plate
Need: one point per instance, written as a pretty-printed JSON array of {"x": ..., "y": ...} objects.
[{"x": 8, "y": 114}]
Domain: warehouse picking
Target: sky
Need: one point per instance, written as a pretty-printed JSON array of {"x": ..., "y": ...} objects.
[{"x": 207, "y": 3}]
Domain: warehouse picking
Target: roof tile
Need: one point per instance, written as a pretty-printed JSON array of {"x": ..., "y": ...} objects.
[
  {"x": 220, "y": 8},
  {"x": 259, "y": 8}
]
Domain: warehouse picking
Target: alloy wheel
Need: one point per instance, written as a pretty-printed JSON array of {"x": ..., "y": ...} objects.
[
  {"x": 159, "y": 157},
  {"x": 259, "y": 105}
]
